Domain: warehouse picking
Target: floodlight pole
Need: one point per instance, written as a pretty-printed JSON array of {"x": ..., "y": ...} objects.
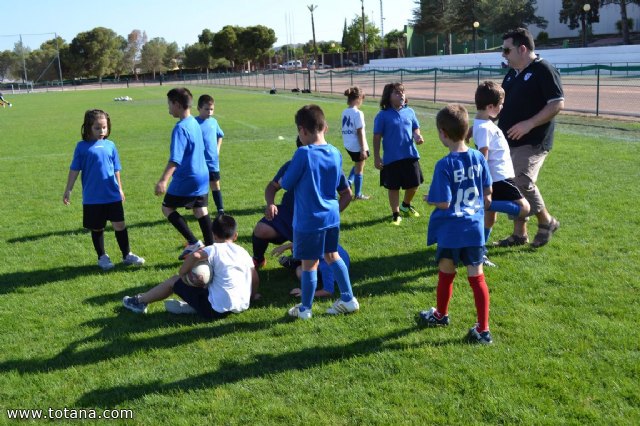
[
  {"x": 364, "y": 37},
  {"x": 24, "y": 62},
  {"x": 59, "y": 65}
]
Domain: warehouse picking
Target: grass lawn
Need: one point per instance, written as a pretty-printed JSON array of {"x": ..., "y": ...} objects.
[{"x": 564, "y": 317}]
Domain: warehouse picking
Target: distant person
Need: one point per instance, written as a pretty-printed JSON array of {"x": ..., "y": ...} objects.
[
  {"x": 229, "y": 290},
  {"x": 460, "y": 190},
  {"x": 4, "y": 102},
  {"x": 188, "y": 172},
  {"x": 505, "y": 195},
  {"x": 96, "y": 158},
  {"x": 355, "y": 139},
  {"x": 212, "y": 135},
  {"x": 533, "y": 97},
  {"x": 314, "y": 174},
  {"x": 396, "y": 126}
]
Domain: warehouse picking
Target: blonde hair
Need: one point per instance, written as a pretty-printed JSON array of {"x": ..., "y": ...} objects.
[{"x": 353, "y": 93}]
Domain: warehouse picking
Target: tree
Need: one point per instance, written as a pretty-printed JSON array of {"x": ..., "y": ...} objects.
[
  {"x": 96, "y": 52},
  {"x": 392, "y": 39},
  {"x": 624, "y": 21},
  {"x": 172, "y": 57},
  {"x": 255, "y": 41},
  {"x": 572, "y": 12},
  {"x": 225, "y": 44},
  {"x": 198, "y": 56},
  {"x": 135, "y": 40},
  {"x": 153, "y": 55},
  {"x": 8, "y": 61},
  {"x": 353, "y": 38}
]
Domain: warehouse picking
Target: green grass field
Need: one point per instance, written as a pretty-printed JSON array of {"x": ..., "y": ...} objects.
[{"x": 564, "y": 318}]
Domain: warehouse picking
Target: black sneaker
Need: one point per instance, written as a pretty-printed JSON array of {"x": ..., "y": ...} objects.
[
  {"x": 483, "y": 338},
  {"x": 428, "y": 319},
  {"x": 289, "y": 262}
]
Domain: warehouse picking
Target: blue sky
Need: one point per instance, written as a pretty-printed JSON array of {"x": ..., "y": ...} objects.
[{"x": 290, "y": 19}]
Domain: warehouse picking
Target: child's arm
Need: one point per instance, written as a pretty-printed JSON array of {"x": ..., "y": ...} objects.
[
  {"x": 487, "y": 197},
  {"x": 219, "y": 145},
  {"x": 281, "y": 249},
  {"x": 485, "y": 152},
  {"x": 71, "y": 180},
  {"x": 191, "y": 260},
  {"x": 120, "y": 185},
  {"x": 270, "y": 197},
  {"x": 344, "y": 198},
  {"x": 161, "y": 186},
  {"x": 363, "y": 142},
  {"x": 442, "y": 205},
  {"x": 417, "y": 136},
  {"x": 377, "y": 138}
]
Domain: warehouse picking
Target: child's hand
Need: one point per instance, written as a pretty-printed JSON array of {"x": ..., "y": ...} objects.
[
  {"x": 161, "y": 188},
  {"x": 419, "y": 139},
  {"x": 122, "y": 195},
  {"x": 271, "y": 211},
  {"x": 66, "y": 198},
  {"x": 378, "y": 163}
]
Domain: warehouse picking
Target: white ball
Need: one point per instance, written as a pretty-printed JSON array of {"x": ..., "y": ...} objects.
[{"x": 199, "y": 276}]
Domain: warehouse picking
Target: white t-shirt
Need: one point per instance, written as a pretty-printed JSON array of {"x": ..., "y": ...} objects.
[
  {"x": 231, "y": 286},
  {"x": 352, "y": 120},
  {"x": 487, "y": 135}
]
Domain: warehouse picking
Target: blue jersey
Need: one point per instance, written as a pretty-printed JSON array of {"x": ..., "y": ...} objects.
[
  {"x": 98, "y": 163},
  {"x": 314, "y": 174},
  {"x": 396, "y": 128},
  {"x": 211, "y": 132},
  {"x": 459, "y": 179},
  {"x": 191, "y": 177}
]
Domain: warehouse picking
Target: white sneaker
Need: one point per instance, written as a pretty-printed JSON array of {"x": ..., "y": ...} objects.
[
  {"x": 486, "y": 262},
  {"x": 178, "y": 307},
  {"x": 105, "y": 262},
  {"x": 296, "y": 312},
  {"x": 190, "y": 249},
  {"x": 340, "y": 307},
  {"x": 133, "y": 259}
]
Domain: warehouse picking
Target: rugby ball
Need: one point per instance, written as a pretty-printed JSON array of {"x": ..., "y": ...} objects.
[{"x": 199, "y": 276}]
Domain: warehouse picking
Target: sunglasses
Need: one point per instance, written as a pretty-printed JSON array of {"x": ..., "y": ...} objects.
[{"x": 507, "y": 50}]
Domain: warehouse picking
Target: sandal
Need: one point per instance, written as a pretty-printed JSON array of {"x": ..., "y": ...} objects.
[
  {"x": 545, "y": 232},
  {"x": 512, "y": 241}
]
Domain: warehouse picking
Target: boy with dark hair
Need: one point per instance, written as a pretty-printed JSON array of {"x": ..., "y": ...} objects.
[
  {"x": 188, "y": 172},
  {"x": 229, "y": 291},
  {"x": 212, "y": 135},
  {"x": 461, "y": 183},
  {"x": 490, "y": 141},
  {"x": 314, "y": 174}
]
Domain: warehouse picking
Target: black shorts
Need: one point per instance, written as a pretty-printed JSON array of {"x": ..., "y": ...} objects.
[
  {"x": 95, "y": 216},
  {"x": 355, "y": 156},
  {"x": 198, "y": 299},
  {"x": 505, "y": 190},
  {"x": 214, "y": 176},
  {"x": 405, "y": 174},
  {"x": 175, "y": 201}
]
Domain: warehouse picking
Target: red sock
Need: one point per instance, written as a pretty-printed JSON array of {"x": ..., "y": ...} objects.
[
  {"x": 481, "y": 297},
  {"x": 444, "y": 292}
]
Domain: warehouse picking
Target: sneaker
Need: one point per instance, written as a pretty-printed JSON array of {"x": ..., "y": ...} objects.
[
  {"x": 428, "y": 319},
  {"x": 296, "y": 312},
  {"x": 105, "y": 262},
  {"x": 486, "y": 262},
  {"x": 289, "y": 262},
  {"x": 134, "y": 304},
  {"x": 483, "y": 338},
  {"x": 361, "y": 197},
  {"x": 133, "y": 259},
  {"x": 340, "y": 307},
  {"x": 409, "y": 211},
  {"x": 259, "y": 263},
  {"x": 396, "y": 221},
  {"x": 178, "y": 307},
  {"x": 190, "y": 249}
]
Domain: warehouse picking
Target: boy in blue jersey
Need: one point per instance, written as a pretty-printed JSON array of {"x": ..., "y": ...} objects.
[
  {"x": 460, "y": 190},
  {"x": 314, "y": 173},
  {"x": 188, "y": 172},
  {"x": 96, "y": 157},
  {"x": 212, "y": 135},
  {"x": 396, "y": 126}
]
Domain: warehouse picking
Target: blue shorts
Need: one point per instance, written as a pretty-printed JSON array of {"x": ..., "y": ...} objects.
[
  {"x": 468, "y": 255},
  {"x": 198, "y": 299},
  {"x": 313, "y": 245},
  {"x": 282, "y": 223}
]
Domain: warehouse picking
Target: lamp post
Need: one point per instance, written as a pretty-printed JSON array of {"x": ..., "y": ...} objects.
[
  {"x": 476, "y": 24},
  {"x": 364, "y": 36},
  {"x": 311, "y": 8},
  {"x": 586, "y": 8}
]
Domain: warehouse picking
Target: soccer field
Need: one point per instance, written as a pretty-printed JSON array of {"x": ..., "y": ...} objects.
[{"x": 564, "y": 317}]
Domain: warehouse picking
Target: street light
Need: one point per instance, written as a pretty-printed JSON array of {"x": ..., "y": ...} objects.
[
  {"x": 586, "y": 8},
  {"x": 476, "y": 24}
]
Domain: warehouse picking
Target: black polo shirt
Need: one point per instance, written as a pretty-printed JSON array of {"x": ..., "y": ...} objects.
[{"x": 525, "y": 95}]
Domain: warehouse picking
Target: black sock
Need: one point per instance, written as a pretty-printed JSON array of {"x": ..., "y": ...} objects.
[
  {"x": 98, "y": 242},
  {"x": 396, "y": 215},
  {"x": 217, "y": 199},
  {"x": 180, "y": 224},
  {"x": 206, "y": 228},
  {"x": 122, "y": 237},
  {"x": 259, "y": 247},
  {"x": 405, "y": 205}
]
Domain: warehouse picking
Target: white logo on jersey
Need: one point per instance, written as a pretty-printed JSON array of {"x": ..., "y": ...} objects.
[{"x": 527, "y": 76}]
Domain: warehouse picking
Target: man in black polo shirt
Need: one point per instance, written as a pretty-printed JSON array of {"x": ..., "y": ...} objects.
[{"x": 533, "y": 97}]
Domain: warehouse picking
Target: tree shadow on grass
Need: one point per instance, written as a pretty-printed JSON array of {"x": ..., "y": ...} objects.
[
  {"x": 263, "y": 365},
  {"x": 117, "y": 333},
  {"x": 13, "y": 281}
]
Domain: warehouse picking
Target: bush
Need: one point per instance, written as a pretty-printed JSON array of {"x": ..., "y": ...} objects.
[
  {"x": 543, "y": 37},
  {"x": 619, "y": 25}
]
